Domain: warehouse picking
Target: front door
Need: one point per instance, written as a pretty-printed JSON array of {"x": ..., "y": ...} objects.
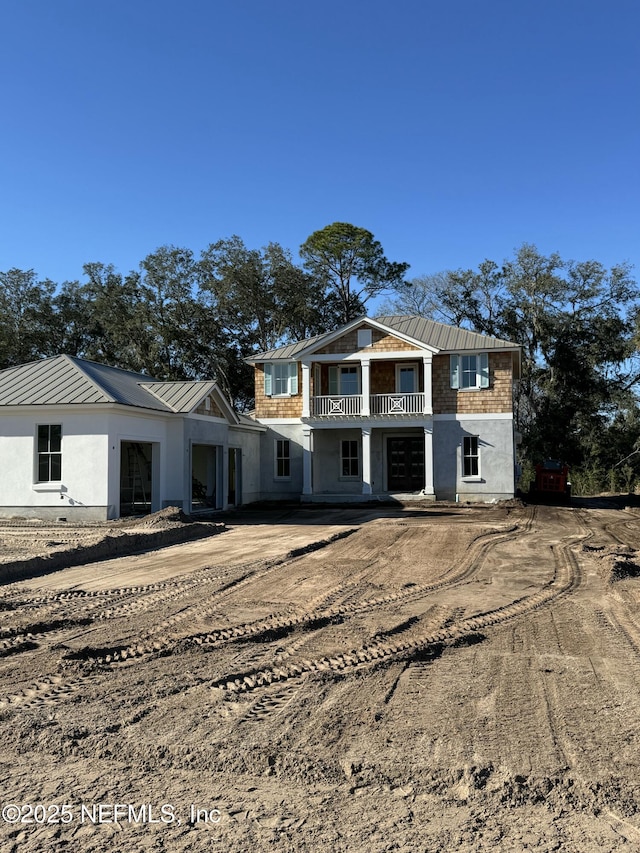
[{"x": 405, "y": 464}]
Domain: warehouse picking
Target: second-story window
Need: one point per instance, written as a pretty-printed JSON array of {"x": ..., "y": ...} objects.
[
  {"x": 344, "y": 381},
  {"x": 280, "y": 379},
  {"x": 406, "y": 378},
  {"x": 469, "y": 371}
]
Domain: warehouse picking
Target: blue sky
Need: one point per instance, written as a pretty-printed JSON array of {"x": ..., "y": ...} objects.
[{"x": 453, "y": 130}]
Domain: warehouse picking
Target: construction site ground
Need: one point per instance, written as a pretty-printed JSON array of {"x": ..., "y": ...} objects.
[{"x": 429, "y": 678}]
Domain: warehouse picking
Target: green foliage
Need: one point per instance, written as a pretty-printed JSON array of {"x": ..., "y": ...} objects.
[
  {"x": 351, "y": 266},
  {"x": 26, "y": 317},
  {"x": 579, "y": 328},
  {"x": 185, "y": 317}
]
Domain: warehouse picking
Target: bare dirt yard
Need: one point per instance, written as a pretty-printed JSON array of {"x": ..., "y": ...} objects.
[{"x": 441, "y": 678}]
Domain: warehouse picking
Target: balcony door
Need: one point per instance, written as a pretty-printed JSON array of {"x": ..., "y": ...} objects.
[
  {"x": 344, "y": 381},
  {"x": 405, "y": 464}
]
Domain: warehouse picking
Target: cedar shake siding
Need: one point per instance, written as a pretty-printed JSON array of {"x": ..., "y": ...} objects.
[
  {"x": 276, "y": 407},
  {"x": 213, "y": 411},
  {"x": 380, "y": 343},
  {"x": 496, "y": 399}
]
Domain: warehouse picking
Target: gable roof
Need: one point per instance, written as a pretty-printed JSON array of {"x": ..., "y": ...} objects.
[
  {"x": 437, "y": 337},
  {"x": 444, "y": 338},
  {"x": 68, "y": 380}
]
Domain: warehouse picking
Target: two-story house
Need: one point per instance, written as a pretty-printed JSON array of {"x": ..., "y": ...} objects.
[{"x": 389, "y": 406}]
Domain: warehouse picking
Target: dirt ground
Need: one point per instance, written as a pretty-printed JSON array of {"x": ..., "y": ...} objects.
[{"x": 423, "y": 679}]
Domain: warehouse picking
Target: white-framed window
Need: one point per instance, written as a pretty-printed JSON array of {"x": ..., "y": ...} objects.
[
  {"x": 469, "y": 371},
  {"x": 49, "y": 453},
  {"x": 349, "y": 458},
  {"x": 406, "y": 378},
  {"x": 344, "y": 380},
  {"x": 282, "y": 459},
  {"x": 280, "y": 379},
  {"x": 364, "y": 338},
  {"x": 470, "y": 456}
]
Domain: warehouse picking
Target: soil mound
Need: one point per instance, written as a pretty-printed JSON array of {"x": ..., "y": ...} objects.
[
  {"x": 618, "y": 563},
  {"x": 167, "y": 517}
]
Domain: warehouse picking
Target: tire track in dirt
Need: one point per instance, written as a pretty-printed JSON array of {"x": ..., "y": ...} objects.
[
  {"x": 565, "y": 580},
  {"x": 281, "y": 624},
  {"x": 47, "y": 691},
  {"x": 27, "y": 637}
]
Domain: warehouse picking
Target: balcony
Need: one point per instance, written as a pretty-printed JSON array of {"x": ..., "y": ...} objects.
[
  {"x": 380, "y": 405},
  {"x": 336, "y": 405}
]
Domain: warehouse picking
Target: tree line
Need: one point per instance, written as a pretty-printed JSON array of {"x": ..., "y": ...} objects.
[{"x": 181, "y": 316}]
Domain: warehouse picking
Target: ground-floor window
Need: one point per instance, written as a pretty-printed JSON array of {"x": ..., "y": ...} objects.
[
  {"x": 349, "y": 459},
  {"x": 283, "y": 459},
  {"x": 49, "y": 453},
  {"x": 470, "y": 456}
]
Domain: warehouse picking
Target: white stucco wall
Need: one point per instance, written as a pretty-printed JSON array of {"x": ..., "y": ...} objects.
[
  {"x": 274, "y": 488},
  {"x": 83, "y": 486},
  {"x": 248, "y": 442},
  {"x": 141, "y": 427},
  {"x": 495, "y": 440}
]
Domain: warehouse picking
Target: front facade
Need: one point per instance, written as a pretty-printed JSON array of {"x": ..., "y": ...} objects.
[
  {"x": 393, "y": 406},
  {"x": 84, "y": 441},
  {"x": 396, "y": 406}
]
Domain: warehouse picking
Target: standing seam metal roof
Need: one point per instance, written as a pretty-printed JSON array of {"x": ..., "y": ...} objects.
[
  {"x": 428, "y": 332},
  {"x": 179, "y": 396},
  {"x": 67, "y": 380}
]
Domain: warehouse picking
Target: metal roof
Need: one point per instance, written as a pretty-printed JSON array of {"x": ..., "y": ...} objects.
[
  {"x": 437, "y": 335},
  {"x": 67, "y": 380},
  {"x": 180, "y": 396},
  {"x": 443, "y": 337}
]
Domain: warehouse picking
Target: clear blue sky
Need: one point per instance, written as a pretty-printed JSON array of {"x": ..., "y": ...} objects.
[{"x": 453, "y": 130}]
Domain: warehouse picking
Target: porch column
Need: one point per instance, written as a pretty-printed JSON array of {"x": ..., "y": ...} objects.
[
  {"x": 366, "y": 387},
  {"x": 366, "y": 461},
  {"x": 307, "y": 486},
  {"x": 306, "y": 389},
  {"x": 428, "y": 461},
  {"x": 427, "y": 363}
]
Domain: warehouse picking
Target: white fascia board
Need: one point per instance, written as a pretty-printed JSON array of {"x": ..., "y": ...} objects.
[
  {"x": 279, "y": 421},
  {"x": 354, "y": 324},
  {"x": 363, "y": 355},
  {"x": 87, "y": 409},
  {"x": 481, "y": 416},
  {"x": 224, "y": 404}
]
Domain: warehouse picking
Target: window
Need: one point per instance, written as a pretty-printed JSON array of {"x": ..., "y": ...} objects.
[
  {"x": 469, "y": 371},
  {"x": 280, "y": 379},
  {"x": 470, "y": 456},
  {"x": 349, "y": 459},
  {"x": 283, "y": 459},
  {"x": 406, "y": 378},
  {"x": 49, "y": 453},
  {"x": 344, "y": 381}
]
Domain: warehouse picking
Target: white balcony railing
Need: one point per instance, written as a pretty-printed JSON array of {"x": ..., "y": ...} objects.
[
  {"x": 380, "y": 404},
  {"x": 337, "y": 405},
  {"x": 397, "y": 404}
]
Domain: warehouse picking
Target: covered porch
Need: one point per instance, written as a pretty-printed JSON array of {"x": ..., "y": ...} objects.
[{"x": 361, "y": 463}]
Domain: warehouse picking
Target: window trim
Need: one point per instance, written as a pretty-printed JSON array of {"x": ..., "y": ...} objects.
[
  {"x": 343, "y": 457},
  {"x": 456, "y": 372},
  {"x": 336, "y": 378},
  {"x": 400, "y": 365},
  {"x": 470, "y": 478},
  {"x": 50, "y": 482},
  {"x": 270, "y": 378},
  {"x": 281, "y": 457}
]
